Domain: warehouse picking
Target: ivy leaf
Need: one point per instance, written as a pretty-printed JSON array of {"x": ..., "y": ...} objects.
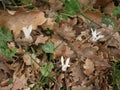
[
  {"x": 48, "y": 47},
  {"x": 45, "y": 70}
]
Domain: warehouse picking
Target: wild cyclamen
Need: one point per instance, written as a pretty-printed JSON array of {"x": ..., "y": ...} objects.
[
  {"x": 96, "y": 35},
  {"x": 64, "y": 63},
  {"x": 27, "y": 31}
]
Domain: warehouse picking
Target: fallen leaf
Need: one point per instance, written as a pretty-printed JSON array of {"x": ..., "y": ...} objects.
[
  {"x": 109, "y": 8},
  {"x": 41, "y": 39},
  {"x": 62, "y": 49},
  {"x": 27, "y": 59},
  {"x": 98, "y": 4},
  {"x": 6, "y": 87},
  {"x": 81, "y": 88},
  {"x": 77, "y": 73},
  {"x": 11, "y": 12},
  {"x": 95, "y": 16},
  {"x": 89, "y": 67},
  {"x": 19, "y": 83},
  {"x": 49, "y": 24},
  {"x": 55, "y": 4},
  {"x": 21, "y": 19}
]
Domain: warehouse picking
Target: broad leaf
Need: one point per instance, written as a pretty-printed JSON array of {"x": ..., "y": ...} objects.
[
  {"x": 45, "y": 70},
  {"x": 48, "y": 47}
]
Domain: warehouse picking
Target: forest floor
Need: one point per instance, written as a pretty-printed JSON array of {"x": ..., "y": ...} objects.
[{"x": 59, "y": 45}]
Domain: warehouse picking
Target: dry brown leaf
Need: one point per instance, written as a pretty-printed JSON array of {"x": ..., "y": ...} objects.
[
  {"x": 27, "y": 59},
  {"x": 89, "y": 67},
  {"x": 87, "y": 50},
  {"x": 109, "y": 8},
  {"x": 94, "y": 16},
  {"x": 41, "y": 39},
  {"x": 11, "y": 45},
  {"x": 81, "y": 88},
  {"x": 65, "y": 29},
  {"x": 77, "y": 72},
  {"x": 99, "y": 3},
  {"x": 18, "y": 70},
  {"x": 4, "y": 68},
  {"x": 11, "y": 12},
  {"x": 62, "y": 49},
  {"x": 20, "y": 83},
  {"x": 21, "y": 19},
  {"x": 55, "y": 4},
  {"x": 49, "y": 24},
  {"x": 6, "y": 87}
]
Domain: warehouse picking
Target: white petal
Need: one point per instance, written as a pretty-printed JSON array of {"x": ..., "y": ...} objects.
[
  {"x": 27, "y": 31},
  {"x": 62, "y": 60},
  {"x": 67, "y": 62}
]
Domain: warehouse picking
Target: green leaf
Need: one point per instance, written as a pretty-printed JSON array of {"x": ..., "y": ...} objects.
[
  {"x": 60, "y": 17},
  {"x": 116, "y": 11},
  {"x": 5, "y": 35},
  {"x": 109, "y": 21},
  {"x": 48, "y": 47},
  {"x": 45, "y": 70},
  {"x": 72, "y": 7}
]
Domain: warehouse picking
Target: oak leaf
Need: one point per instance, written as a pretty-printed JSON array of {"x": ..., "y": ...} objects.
[
  {"x": 89, "y": 67},
  {"x": 21, "y": 19}
]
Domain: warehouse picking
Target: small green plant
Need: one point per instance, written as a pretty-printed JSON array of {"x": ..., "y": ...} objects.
[
  {"x": 46, "y": 69},
  {"x": 109, "y": 21},
  {"x": 46, "y": 77},
  {"x": 48, "y": 47},
  {"x": 116, "y": 11},
  {"x": 6, "y": 36},
  {"x": 116, "y": 76},
  {"x": 72, "y": 8}
]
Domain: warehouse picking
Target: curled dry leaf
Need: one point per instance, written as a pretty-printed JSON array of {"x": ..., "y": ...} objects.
[
  {"x": 49, "y": 24},
  {"x": 65, "y": 29},
  {"x": 6, "y": 87},
  {"x": 82, "y": 88},
  {"x": 27, "y": 59},
  {"x": 11, "y": 12},
  {"x": 89, "y": 67},
  {"x": 55, "y": 4},
  {"x": 19, "y": 83},
  {"x": 62, "y": 49},
  {"x": 21, "y": 19},
  {"x": 77, "y": 73},
  {"x": 11, "y": 45},
  {"x": 41, "y": 39}
]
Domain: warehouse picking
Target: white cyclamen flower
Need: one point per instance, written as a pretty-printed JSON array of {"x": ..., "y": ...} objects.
[
  {"x": 27, "y": 31},
  {"x": 96, "y": 35},
  {"x": 64, "y": 63}
]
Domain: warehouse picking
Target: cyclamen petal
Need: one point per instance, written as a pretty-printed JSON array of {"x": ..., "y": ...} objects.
[
  {"x": 96, "y": 35},
  {"x": 27, "y": 31},
  {"x": 66, "y": 64}
]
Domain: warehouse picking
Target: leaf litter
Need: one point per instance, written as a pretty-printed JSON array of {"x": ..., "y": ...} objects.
[{"x": 86, "y": 38}]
